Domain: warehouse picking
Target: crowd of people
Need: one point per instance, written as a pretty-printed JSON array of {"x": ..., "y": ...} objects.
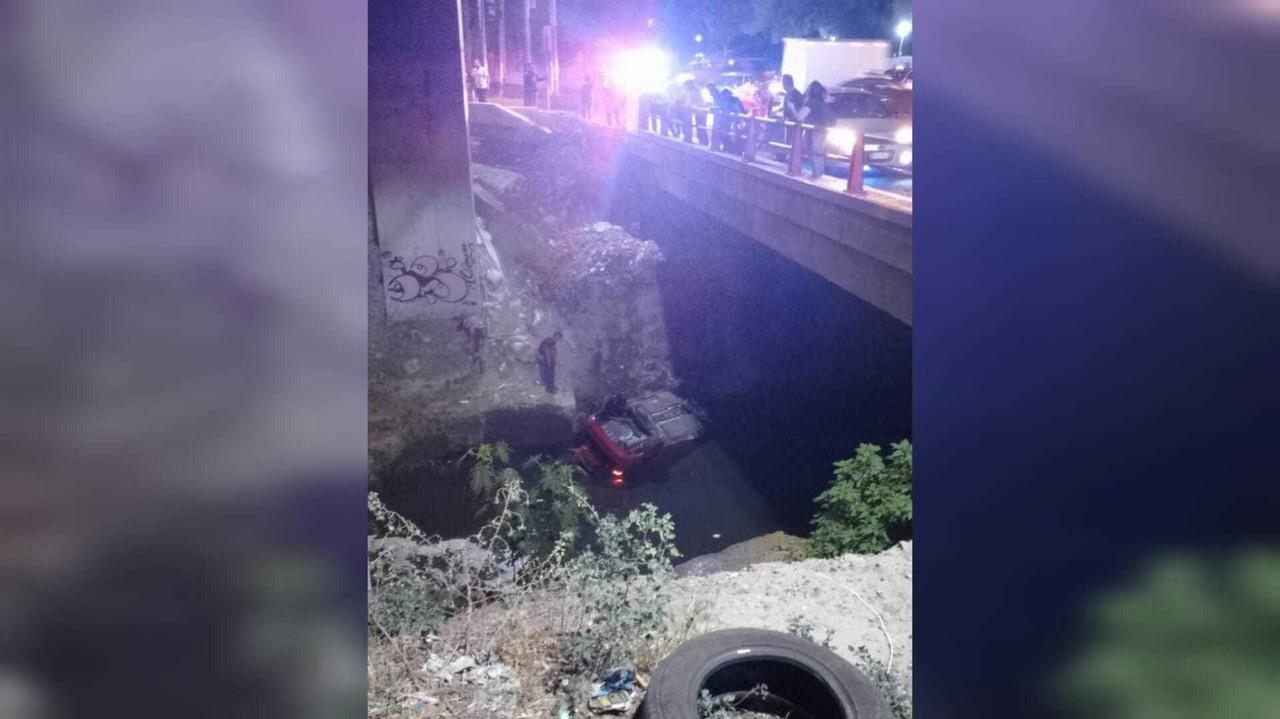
[
  {"x": 700, "y": 113},
  {"x": 684, "y": 109}
]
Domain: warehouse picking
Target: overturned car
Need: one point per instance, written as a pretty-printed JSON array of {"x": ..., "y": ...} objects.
[{"x": 636, "y": 436}]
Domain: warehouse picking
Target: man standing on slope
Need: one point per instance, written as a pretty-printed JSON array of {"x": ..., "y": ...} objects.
[{"x": 547, "y": 361}]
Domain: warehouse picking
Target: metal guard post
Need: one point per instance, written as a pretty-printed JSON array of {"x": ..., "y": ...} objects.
[
  {"x": 855, "y": 166},
  {"x": 753, "y": 137}
]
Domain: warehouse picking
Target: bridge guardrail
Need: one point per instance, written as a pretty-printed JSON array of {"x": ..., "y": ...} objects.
[{"x": 746, "y": 134}]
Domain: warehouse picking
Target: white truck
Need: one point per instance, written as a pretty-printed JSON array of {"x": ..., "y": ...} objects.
[{"x": 832, "y": 62}]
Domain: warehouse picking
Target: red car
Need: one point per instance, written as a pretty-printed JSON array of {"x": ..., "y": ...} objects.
[{"x": 626, "y": 435}]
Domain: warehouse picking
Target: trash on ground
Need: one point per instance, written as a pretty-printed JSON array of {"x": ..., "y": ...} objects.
[
  {"x": 613, "y": 693},
  {"x": 610, "y": 703}
]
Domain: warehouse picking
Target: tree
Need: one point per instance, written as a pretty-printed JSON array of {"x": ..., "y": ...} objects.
[
  {"x": 838, "y": 18},
  {"x": 721, "y": 22},
  {"x": 717, "y": 21}
]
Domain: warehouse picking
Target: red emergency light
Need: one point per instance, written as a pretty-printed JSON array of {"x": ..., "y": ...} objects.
[{"x": 616, "y": 479}]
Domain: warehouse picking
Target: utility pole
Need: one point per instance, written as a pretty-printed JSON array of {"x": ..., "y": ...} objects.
[
  {"x": 528, "y": 33},
  {"x": 483, "y": 44},
  {"x": 553, "y": 52},
  {"x": 502, "y": 45}
]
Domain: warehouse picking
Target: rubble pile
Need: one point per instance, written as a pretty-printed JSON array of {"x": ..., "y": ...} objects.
[
  {"x": 592, "y": 279},
  {"x": 609, "y": 258}
]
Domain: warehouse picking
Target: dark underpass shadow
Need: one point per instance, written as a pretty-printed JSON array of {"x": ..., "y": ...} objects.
[{"x": 793, "y": 371}]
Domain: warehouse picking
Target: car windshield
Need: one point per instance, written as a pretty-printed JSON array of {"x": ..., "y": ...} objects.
[
  {"x": 896, "y": 102},
  {"x": 857, "y": 104},
  {"x": 866, "y": 104}
]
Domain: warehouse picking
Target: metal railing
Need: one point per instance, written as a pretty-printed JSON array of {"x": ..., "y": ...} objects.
[{"x": 745, "y": 135}]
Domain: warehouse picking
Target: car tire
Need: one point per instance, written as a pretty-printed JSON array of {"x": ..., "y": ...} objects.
[{"x": 819, "y": 683}]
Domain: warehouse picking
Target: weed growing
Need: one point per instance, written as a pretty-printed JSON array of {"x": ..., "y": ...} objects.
[{"x": 867, "y": 508}]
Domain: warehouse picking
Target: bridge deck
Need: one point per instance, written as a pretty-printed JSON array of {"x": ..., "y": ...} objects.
[
  {"x": 560, "y": 121},
  {"x": 859, "y": 242}
]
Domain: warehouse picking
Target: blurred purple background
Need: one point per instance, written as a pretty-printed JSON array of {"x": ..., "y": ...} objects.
[
  {"x": 182, "y": 347},
  {"x": 1170, "y": 105},
  {"x": 182, "y": 353}
]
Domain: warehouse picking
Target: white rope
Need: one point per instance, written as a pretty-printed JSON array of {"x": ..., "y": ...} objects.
[{"x": 883, "y": 628}]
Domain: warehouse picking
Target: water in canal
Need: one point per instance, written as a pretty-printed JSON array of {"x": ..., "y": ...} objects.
[{"x": 793, "y": 372}]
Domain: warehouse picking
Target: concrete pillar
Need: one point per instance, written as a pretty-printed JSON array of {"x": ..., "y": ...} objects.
[{"x": 420, "y": 160}]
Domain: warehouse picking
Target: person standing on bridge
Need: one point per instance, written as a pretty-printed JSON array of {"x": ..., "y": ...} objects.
[
  {"x": 547, "y": 361},
  {"x": 792, "y": 101},
  {"x": 728, "y": 120},
  {"x": 817, "y": 112},
  {"x": 531, "y": 79},
  {"x": 480, "y": 79}
]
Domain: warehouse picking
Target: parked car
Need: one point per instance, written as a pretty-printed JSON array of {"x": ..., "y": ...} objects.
[
  {"x": 628, "y": 436},
  {"x": 880, "y": 112},
  {"x": 875, "y": 108}
]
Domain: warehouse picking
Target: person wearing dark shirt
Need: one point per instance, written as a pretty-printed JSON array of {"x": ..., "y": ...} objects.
[
  {"x": 792, "y": 101},
  {"x": 728, "y": 106},
  {"x": 817, "y": 112},
  {"x": 547, "y": 361},
  {"x": 530, "y": 86}
]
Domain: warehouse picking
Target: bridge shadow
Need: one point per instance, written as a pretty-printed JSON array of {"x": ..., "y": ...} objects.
[{"x": 793, "y": 371}]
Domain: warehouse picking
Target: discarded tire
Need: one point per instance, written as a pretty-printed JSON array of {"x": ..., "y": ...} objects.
[{"x": 804, "y": 680}]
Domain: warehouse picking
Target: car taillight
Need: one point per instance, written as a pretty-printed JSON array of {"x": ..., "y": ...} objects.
[{"x": 616, "y": 478}]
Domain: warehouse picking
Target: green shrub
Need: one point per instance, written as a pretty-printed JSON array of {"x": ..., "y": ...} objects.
[
  {"x": 616, "y": 608},
  {"x": 550, "y": 515},
  {"x": 404, "y": 596},
  {"x": 620, "y": 588},
  {"x": 868, "y": 505},
  {"x": 898, "y": 695},
  {"x": 489, "y": 470},
  {"x": 557, "y": 509}
]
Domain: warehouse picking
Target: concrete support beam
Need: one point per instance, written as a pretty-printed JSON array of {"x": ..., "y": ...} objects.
[{"x": 419, "y": 159}]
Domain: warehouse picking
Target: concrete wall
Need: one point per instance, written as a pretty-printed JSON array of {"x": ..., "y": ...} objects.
[
  {"x": 419, "y": 160},
  {"x": 861, "y": 245}
]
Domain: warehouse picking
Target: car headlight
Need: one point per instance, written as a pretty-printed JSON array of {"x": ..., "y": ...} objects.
[
  {"x": 842, "y": 140},
  {"x": 904, "y": 157},
  {"x": 903, "y": 135}
]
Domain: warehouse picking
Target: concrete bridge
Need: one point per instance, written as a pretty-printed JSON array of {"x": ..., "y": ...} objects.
[{"x": 859, "y": 242}]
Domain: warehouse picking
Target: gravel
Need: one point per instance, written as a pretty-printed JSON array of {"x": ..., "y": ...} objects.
[{"x": 820, "y": 593}]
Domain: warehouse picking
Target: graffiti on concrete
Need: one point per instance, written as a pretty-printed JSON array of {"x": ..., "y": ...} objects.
[{"x": 433, "y": 278}]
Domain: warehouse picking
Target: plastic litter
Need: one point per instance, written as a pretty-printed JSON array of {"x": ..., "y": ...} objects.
[
  {"x": 613, "y": 693},
  {"x": 609, "y": 703},
  {"x": 617, "y": 680}
]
